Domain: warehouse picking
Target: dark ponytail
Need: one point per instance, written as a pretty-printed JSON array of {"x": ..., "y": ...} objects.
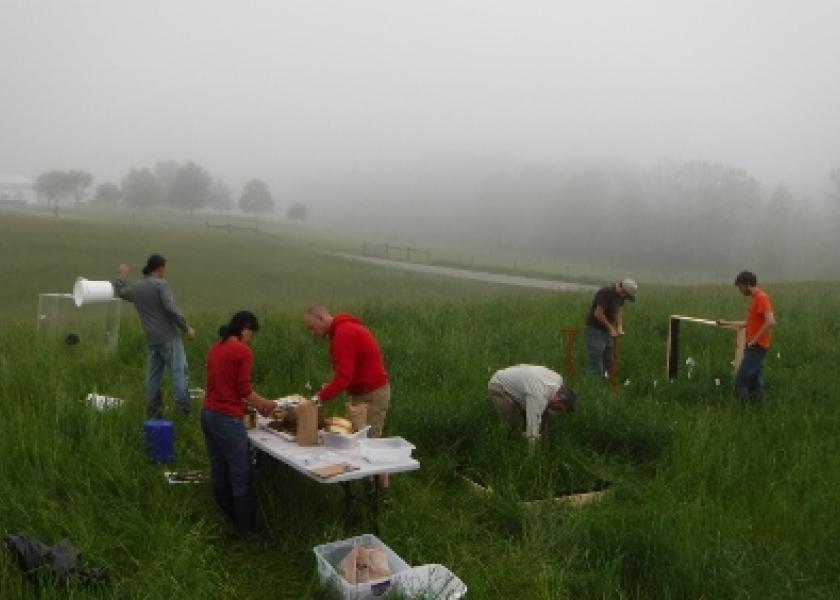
[
  {"x": 241, "y": 320},
  {"x": 153, "y": 263}
]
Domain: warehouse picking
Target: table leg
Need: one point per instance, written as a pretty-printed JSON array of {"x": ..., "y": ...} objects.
[
  {"x": 348, "y": 500},
  {"x": 369, "y": 500},
  {"x": 374, "y": 494}
]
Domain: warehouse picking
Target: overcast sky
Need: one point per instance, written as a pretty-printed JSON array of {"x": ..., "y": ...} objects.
[{"x": 276, "y": 88}]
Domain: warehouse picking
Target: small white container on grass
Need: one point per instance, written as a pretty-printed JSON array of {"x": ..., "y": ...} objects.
[
  {"x": 329, "y": 557},
  {"x": 102, "y": 403},
  {"x": 386, "y": 450}
]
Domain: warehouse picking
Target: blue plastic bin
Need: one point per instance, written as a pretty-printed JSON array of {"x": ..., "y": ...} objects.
[{"x": 160, "y": 440}]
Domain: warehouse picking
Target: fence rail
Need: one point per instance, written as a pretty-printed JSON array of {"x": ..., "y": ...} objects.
[
  {"x": 231, "y": 228},
  {"x": 402, "y": 252}
]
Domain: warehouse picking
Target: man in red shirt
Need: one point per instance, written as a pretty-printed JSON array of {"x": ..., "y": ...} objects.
[
  {"x": 759, "y": 323},
  {"x": 358, "y": 367}
]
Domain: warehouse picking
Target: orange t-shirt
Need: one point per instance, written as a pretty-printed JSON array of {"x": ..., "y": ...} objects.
[{"x": 759, "y": 307}]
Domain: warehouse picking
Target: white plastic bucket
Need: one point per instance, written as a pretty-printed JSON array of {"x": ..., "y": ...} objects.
[{"x": 85, "y": 291}]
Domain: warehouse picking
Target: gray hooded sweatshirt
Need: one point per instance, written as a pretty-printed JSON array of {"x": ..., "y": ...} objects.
[{"x": 152, "y": 297}]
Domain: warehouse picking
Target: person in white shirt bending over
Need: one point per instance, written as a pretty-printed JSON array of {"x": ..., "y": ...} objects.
[{"x": 523, "y": 394}]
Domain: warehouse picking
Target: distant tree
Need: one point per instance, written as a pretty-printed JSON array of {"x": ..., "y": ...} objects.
[
  {"x": 835, "y": 179},
  {"x": 296, "y": 212},
  {"x": 835, "y": 192},
  {"x": 51, "y": 185},
  {"x": 107, "y": 194},
  {"x": 79, "y": 182},
  {"x": 774, "y": 239},
  {"x": 166, "y": 171},
  {"x": 706, "y": 213},
  {"x": 221, "y": 196},
  {"x": 141, "y": 189},
  {"x": 256, "y": 198},
  {"x": 190, "y": 188},
  {"x": 54, "y": 185}
]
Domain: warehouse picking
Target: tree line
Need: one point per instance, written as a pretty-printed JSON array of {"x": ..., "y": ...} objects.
[
  {"x": 704, "y": 215},
  {"x": 181, "y": 186}
]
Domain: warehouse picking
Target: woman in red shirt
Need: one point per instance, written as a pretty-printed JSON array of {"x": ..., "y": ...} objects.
[{"x": 229, "y": 390}]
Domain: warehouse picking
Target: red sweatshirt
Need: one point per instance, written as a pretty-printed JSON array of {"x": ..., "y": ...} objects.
[
  {"x": 357, "y": 360},
  {"x": 229, "y": 365}
]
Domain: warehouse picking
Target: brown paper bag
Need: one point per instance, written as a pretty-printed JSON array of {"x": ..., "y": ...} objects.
[
  {"x": 377, "y": 562},
  {"x": 307, "y": 424},
  {"x": 362, "y": 564},
  {"x": 347, "y": 567},
  {"x": 356, "y": 414}
]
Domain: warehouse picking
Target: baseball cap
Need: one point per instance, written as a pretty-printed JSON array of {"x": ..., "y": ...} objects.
[{"x": 630, "y": 287}]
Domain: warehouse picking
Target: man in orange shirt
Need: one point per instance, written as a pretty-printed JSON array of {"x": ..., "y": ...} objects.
[{"x": 760, "y": 321}]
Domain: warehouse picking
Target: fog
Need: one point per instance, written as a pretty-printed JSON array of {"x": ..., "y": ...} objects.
[{"x": 366, "y": 109}]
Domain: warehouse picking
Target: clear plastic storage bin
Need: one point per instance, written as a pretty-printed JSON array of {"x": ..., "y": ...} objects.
[
  {"x": 343, "y": 441},
  {"x": 329, "y": 556},
  {"x": 386, "y": 450}
]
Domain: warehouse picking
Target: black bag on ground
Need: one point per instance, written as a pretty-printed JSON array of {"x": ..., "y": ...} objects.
[{"x": 61, "y": 560}]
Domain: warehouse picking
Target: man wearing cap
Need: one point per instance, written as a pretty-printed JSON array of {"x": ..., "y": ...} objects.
[
  {"x": 759, "y": 323},
  {"x": 525, "y": 394},
  {"x": 163, "y": 325},
  {"x": 604, "y": 323}
]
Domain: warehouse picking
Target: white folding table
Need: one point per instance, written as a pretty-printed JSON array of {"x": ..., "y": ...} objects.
[{"x": 305, "y": 458}]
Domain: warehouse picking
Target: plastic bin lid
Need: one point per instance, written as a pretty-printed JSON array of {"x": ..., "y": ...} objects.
[{"x": 435, "y": 580}]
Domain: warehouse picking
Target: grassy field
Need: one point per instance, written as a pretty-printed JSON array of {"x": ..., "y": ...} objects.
[
  {"x": 567, "y": 268},
  {"x": 706, "y": 500}
]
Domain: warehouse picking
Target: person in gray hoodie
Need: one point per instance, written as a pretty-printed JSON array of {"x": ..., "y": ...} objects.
[{"x": 163, "y": 325}]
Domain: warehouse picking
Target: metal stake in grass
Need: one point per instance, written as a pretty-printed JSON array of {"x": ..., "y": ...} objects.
[
  {"x": 570, "y": 332},
  {"x": 614, "y": 364}
]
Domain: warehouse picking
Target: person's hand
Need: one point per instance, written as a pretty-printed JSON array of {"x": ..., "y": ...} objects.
[
  {"x": 614, "y": 332},
  {"x": 122, "y": 270},
  {"x": 266, "y": 407},
  {"x": 190, "y": 333}
]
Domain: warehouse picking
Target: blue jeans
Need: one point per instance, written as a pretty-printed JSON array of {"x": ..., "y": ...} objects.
[
  {"x": 598, "y": 350},
  {"x": 231, "y": 475},
  {"x": 748, "y": 380},
  {"x": 170, "y": 354}
]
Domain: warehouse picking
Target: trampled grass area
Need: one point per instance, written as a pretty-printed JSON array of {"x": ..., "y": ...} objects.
[{"x": 706, "y": 499}]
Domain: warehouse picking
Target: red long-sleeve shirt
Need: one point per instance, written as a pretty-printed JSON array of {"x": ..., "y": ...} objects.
[
  {"x": 357, "y": 360},
  {"x": 229, "y": 364}
]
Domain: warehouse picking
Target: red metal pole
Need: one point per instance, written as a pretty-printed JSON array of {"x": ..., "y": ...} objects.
[
  {"x": 570, "y": 332},
  {"x": 614, "y": 363}
]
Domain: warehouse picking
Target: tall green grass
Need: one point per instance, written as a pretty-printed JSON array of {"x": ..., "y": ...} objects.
[{"x": 707, "y": 499}]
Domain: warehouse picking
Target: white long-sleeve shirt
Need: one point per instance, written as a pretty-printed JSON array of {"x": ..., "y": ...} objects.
[{"x": 532, "y": 387}]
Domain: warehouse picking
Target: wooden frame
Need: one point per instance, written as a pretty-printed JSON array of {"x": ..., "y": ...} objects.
[
  {"x": 572, "y": 500},
  {"x": 672, "y": 351}
]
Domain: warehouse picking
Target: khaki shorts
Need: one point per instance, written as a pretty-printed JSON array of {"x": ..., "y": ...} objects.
[
  {"x": 510, "y": 413},
  {"x": 377, "y": 403}
]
